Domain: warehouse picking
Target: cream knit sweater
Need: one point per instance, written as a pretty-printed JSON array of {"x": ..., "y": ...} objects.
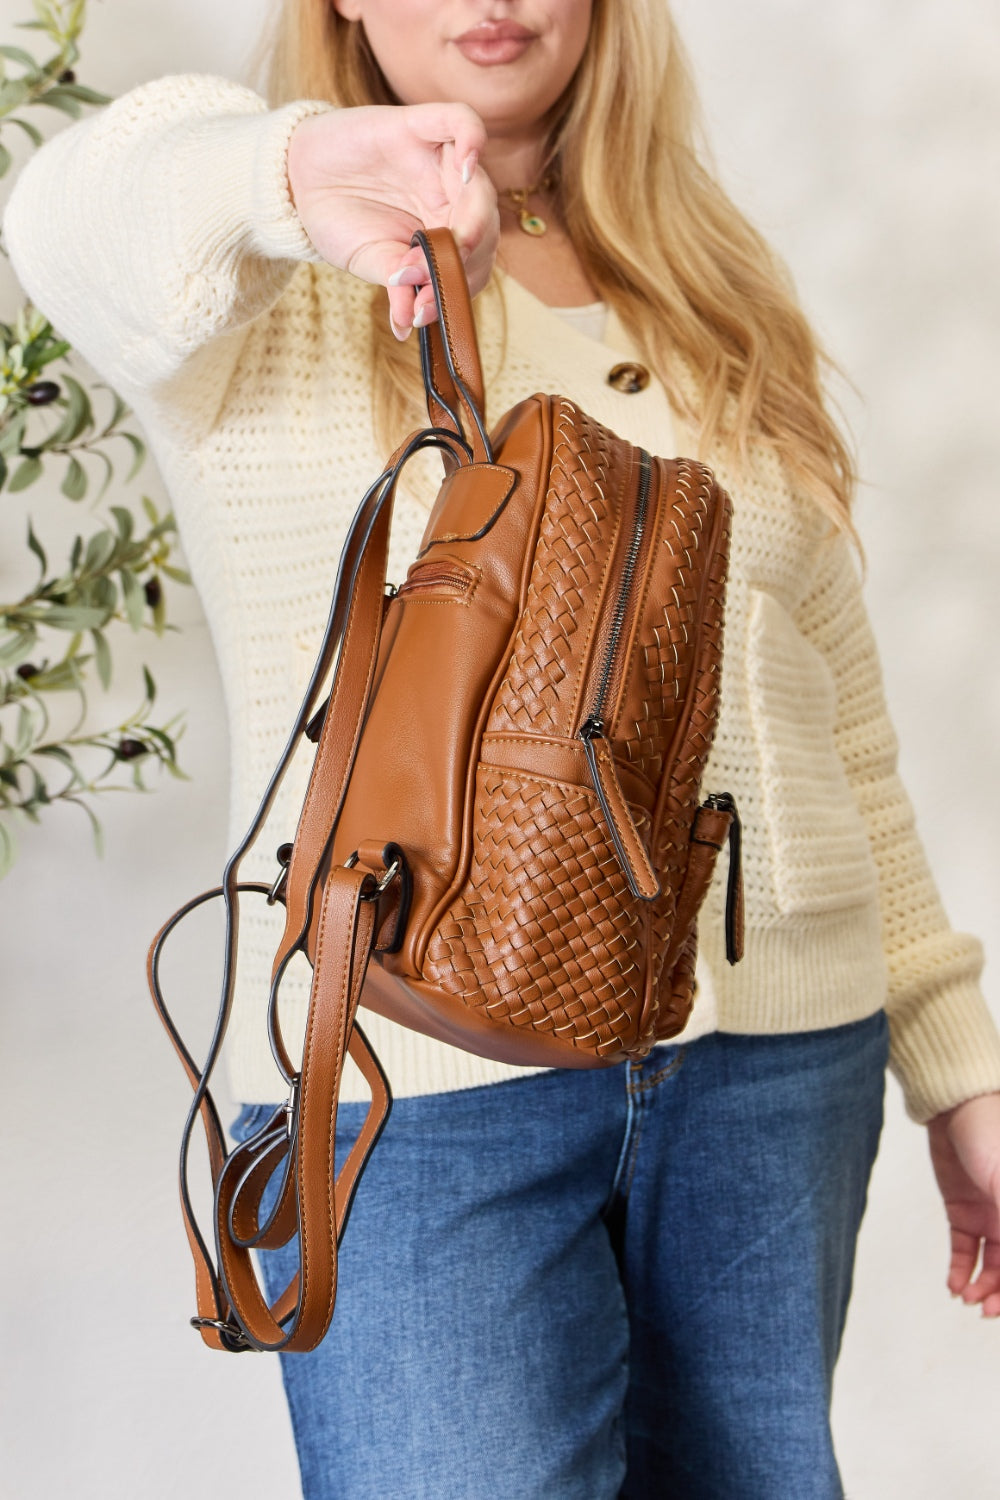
[{"x": 160, "y": 238}]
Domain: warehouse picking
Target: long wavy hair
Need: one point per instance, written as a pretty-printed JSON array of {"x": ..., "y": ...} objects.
[{"x": 703, "y": 296}]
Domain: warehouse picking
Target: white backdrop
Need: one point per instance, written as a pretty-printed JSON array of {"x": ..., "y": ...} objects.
[{"x": 864, "y": 140}]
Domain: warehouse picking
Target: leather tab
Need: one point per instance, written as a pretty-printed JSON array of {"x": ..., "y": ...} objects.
[
  {"x": 717, "y": 821},
  {"x": 734, "y": 891},
  {"x": 635, "y": 861}
]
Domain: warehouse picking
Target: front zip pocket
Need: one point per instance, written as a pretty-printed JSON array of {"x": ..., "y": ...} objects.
[
  {"x": 642, "y": 878},
  {"x": 439, "y": 578}
]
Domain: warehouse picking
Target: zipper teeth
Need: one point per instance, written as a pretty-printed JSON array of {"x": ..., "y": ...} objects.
[
  {"x": 628, "y": 574},
  {"x": 432, "y": 581}
]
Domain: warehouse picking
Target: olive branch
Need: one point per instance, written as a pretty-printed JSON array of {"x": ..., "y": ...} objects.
[{"x": 58, "y": 637}]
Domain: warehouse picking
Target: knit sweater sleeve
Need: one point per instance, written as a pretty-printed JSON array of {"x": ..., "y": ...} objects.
[
  {"x": 944, "y": 1043},
  {"x": 153, "y": 233}
]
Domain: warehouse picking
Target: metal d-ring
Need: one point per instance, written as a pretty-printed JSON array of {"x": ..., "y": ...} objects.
[{"x": 384, "y": 883}]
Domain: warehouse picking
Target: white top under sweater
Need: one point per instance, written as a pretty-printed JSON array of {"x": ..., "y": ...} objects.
[{"x": 160, "y": 237}]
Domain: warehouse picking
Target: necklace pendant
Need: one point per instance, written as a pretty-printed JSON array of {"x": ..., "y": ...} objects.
[{"x": 532, "y": 223}]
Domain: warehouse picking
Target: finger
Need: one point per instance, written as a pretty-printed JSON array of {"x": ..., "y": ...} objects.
[
  {"x": 977, "y": 1291},
  {"x": 964, "y": 1255},
  {"x": 411, "y": 268},
  {"x": 991, "y": 1307},
  {"x": 457, "y": 124},
  {"x": 401, "y": 311},
  {"x": 425, "y": 310},
  {"x": 475, "y": 223},
  {"x": 987, "y": 1283}
]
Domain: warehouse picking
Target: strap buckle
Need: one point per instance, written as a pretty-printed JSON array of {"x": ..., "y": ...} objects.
[
  {"x": 233, "y": 1336},
  {"x": 291, "y": 1103}
]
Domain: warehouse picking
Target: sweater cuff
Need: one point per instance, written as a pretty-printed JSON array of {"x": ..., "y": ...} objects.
[
  {"x": 238, "y": 165},
  {"x": 945, "y": 1049},
  {"x": 276, "y": 227}
]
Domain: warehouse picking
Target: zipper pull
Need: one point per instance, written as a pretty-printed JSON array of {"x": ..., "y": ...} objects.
[
  {"x": 635, "y": 862},
  {"x": 725, "y": 802}
]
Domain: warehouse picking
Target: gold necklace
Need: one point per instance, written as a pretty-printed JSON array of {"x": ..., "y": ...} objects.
[{"x": 529, "y": 222}]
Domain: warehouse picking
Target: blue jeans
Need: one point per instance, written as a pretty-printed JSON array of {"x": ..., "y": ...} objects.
[{"x": 594, "y": 1284}]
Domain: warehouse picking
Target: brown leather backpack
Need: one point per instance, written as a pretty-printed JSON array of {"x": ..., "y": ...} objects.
[{"x": 504, "y": 805}]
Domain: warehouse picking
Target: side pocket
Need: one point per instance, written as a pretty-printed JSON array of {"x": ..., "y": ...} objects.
[{"x": 819, "y": 851}]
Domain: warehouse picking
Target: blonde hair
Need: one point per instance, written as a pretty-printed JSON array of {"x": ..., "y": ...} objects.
[{"x": 703, "y": 296}]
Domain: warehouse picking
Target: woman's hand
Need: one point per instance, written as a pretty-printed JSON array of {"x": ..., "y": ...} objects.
[
  {"x": 364, "y": 179},
  {"x": 965, "y": 1151}
]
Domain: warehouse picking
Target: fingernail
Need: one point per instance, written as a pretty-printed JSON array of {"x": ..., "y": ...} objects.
[
  {"x": 420, "y": 317},
  {"x": 402, "y": 334},
  {"x": 469, "y": 166},
  {"x": 396, "y": 277}
]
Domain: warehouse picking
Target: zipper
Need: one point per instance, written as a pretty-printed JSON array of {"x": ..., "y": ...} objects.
[
  {"x": 726, "y": 802},
  {"x": 642, "y": 879},
  {"x": 445, "y": 579},
  {"x": 593, "y": 725}
]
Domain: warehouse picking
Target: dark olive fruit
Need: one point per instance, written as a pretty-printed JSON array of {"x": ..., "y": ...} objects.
[
  {"x": 131, "y": 749},
  {"x": 27, "y": 669},
  {"x": 67, "y": 76},
  {"x": 153, "y": 591},
  {"x": 42, "y": 392}
]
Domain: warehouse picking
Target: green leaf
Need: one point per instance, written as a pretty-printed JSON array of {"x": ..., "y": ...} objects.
[
  {"x": 27, "y": 471},
  {"x": 75, "y": 617},
  {"x": 78, "y": 415},
  {"x": 125, "y": 520},
  {"x": 13, "y": 93},
  {"x": 3, "y": 470},
  {"x": 104, "y": 594},
  {"x": 135, "y": 599},
  {"x": 18, "y": 55},
  {"x": 119, "y": 410},
  {"x": 108, "y": 473},
  {"x": 60, "y": 753},
  {"x": 63, "y": 677},
  {"x": 54, "y": 351},
  {"x": 74, "y": 485},
  {"x": 21, "y": 643},
  {"x": 5, "y": 160},
  {"x": 85, "y": 95},
  {"x": 59, "y": 98},
  {"x": 25, "y": 731},
  {"x": 100, "y": 550},
  {"x": 95, "y": 826},
  {"x": 102, "y": 658},
  {"x": 39, "y": 551},
  {"x": 33, "y": 133},
  {"x": 149, "y": 685},
  {"x": 8, "y": 850},
  {"x": 179, "y": 575},
  {"x": 139, "y": 450},
  {"x": 12, "y": 436}
]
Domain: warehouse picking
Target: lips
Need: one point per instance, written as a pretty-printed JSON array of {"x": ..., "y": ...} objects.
[{"x": 494, "y": 42}]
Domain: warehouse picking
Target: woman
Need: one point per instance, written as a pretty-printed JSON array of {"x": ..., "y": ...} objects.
[{"x": 554, "y": 1284}]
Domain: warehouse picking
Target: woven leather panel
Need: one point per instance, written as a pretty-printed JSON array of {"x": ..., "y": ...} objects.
[
  {"x": 545, "y": 933},
  {"x": 677, "y": 991},
  {"x": 662, "y": 655},
  {"x": 681, "y": 792},
  {"x": 571, "y": 555}
]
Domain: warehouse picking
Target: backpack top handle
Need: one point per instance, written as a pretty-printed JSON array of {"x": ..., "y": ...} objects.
[{"x": 449, "y": 350}]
